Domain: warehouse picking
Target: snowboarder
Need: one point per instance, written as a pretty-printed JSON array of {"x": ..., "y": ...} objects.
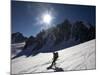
[{"x": 55, "y": 57}]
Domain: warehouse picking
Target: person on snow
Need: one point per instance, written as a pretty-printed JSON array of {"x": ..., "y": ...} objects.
[{"x": 55, "y": 57}]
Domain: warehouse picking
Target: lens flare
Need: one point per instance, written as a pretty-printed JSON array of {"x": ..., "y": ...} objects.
[{"x": 47, "y": 18}]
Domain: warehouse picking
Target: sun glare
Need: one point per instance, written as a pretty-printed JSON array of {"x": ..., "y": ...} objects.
[{"x": 47, "y": 18}]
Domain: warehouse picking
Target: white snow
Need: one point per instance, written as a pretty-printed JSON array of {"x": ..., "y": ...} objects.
[
  {"x": 79, "y": 57},
  {"x": 16, "y": 48}
]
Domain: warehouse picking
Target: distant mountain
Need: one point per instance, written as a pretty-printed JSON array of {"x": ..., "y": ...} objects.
[{"x": 17, "y": 37}]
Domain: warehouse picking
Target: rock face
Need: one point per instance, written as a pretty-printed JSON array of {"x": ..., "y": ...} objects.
[
  {"x": 83, "y": 32},
  {"x": 29, "y": 42},
  {"x": 64, "y": 35},
  {"x": 17, "y": 37}
]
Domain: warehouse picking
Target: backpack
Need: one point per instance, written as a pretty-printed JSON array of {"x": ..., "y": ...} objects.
[{"x": 56, "y": 55}]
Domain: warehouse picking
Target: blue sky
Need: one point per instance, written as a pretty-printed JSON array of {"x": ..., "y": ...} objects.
[{"x": 27, "y": 16}]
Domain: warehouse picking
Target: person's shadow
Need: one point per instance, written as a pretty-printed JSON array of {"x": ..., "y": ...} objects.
[{"x": 57, "y": 69}]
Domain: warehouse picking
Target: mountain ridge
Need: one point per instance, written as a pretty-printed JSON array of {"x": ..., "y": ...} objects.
[{"x": 59, "y": 37}]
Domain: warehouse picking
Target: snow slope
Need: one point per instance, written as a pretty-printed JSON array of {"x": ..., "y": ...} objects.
[
  {"x": 16, "y": 48},
  {"x": 79, "y": 57}
]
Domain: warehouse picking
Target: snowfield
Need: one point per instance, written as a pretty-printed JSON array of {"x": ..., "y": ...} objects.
[
  {"x": 78, "y": 57},
  {"x": 16, "y": 48}
]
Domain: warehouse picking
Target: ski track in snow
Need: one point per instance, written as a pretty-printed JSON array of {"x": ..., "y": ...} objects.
[{"x": 79, "y": 57}]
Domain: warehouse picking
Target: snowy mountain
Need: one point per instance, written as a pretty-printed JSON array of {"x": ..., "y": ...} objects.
[
  {"x": 56, "y": 38},
  {"x": 17, "y": 37},
  {"x": 78, "y": 57}
]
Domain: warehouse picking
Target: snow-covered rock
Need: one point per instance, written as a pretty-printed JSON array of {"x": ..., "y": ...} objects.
[{"x": 17, "y": 37}]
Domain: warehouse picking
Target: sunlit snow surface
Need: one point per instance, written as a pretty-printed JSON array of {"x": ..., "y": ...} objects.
[{"x": 79, "y": 57}]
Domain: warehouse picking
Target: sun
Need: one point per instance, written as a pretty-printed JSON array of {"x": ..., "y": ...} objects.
[{"x": 47, "y": 18}]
